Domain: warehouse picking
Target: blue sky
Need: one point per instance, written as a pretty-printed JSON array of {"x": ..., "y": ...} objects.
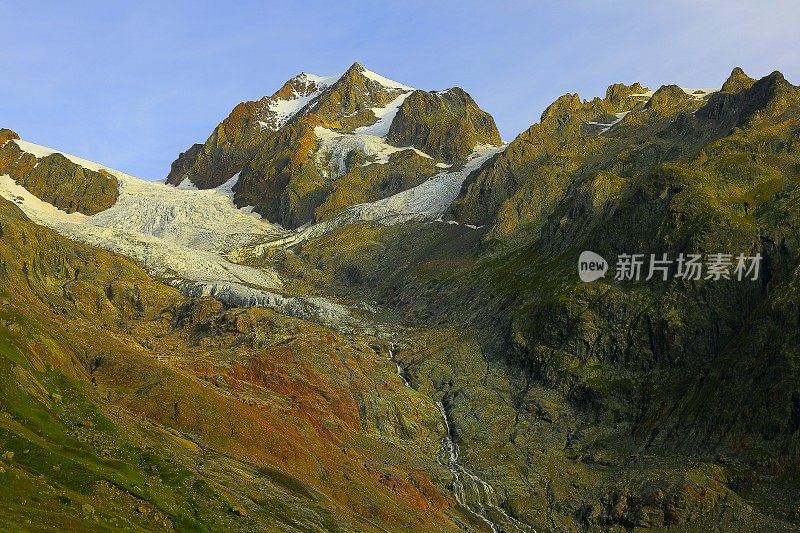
[{"x": 132, "y": 84}]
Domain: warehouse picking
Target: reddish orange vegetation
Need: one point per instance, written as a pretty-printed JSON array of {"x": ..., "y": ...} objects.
[{"x": 413, "y": 487}]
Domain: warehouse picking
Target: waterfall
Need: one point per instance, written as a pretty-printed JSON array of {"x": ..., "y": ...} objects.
[
  {"x": 471, "y": 492},
  {"x": 400, "y": 370}
]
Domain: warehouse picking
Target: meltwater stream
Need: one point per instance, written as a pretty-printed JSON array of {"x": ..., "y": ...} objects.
[
  {"x": 470, "y": 491},
  {"x": 473, "y": 492}
]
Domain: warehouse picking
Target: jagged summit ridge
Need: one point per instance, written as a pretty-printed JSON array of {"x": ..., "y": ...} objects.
[
  {"x": 274, "y": 111},
  {"x": 627, "y": 132},
  {"x": 322, "y": 143},
  {"x": 299, "y": 94},
  {"x": 737, "y": 81}
]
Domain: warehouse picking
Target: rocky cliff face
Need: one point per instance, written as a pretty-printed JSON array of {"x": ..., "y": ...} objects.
[
  {"x": 57, "y": 180},
  {"x": 291, "y": 149}
]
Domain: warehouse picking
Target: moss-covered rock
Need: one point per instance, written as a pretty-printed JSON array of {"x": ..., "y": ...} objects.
[
  {"x": 70, "y": 187},
  {"x": 737, "y": 81},
  {"x": 545, "y": 152},
  {"x": 15, "y": 162},
  {"x": 282, "y": 180},
  {"x": 617, "y": 93},
  {"x": 520, "y": 185},
  {"x": 670, "y": 99},
  {"x": 768, "y": 99}
]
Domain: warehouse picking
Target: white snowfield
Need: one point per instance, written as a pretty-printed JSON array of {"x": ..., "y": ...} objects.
[{"x": 386, "y": 82}]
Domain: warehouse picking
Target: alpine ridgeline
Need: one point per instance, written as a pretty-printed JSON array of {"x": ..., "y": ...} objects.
[
  {"x": 323, "y": 143},
  {"x": 630, "y": 404}
]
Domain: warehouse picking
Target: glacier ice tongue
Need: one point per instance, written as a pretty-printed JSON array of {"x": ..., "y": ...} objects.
[{"x": 183, "y": 236}]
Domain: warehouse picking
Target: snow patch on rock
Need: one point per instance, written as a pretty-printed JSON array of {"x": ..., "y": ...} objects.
[
  {"x": 700, "y": 94},
  {"x": 275, "y": 112},
  {"x": 607, "y": 126},
  {"x": 334, "y": 148},
  {"x": 386, "y": 82},
  {"x": 427, "y": 201},
  {"x": 385, "y": 116}
]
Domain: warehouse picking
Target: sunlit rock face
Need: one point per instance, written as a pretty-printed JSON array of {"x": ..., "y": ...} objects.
[{"x": 321, "y": 144}]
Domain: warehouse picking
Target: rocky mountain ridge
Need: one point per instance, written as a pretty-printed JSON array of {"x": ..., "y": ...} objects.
[
  {"x": 55, "y": 179},
  {"x": 292, "y": 149}
]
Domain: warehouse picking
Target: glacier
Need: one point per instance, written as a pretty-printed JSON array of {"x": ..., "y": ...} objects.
[{"x": 180, "y": 235}]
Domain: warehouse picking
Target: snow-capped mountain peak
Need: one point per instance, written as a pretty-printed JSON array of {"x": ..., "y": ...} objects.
[{"x": 301, "y": 90}]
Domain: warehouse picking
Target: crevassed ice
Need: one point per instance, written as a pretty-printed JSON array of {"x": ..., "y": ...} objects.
[
  {"x": 173, "y": 233},
  {"x": 180, "y": 235}
]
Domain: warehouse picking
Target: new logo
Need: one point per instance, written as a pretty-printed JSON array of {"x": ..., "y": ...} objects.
[{"x": 591, "y": 266}]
